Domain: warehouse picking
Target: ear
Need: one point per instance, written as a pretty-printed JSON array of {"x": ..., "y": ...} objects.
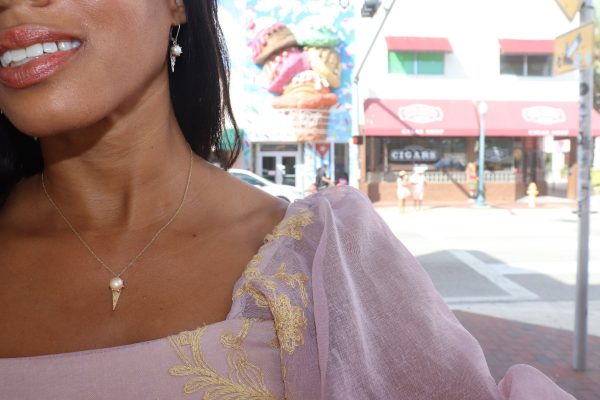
[{"x": 177, "y": 11}]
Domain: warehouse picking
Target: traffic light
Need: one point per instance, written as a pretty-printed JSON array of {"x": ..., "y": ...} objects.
[
  {"x": 369, "y": 8},
  {"x": 357, "y": 140}
]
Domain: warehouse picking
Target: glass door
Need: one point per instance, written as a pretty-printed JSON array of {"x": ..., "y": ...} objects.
[
  {"x": 268, "y": 168},
  {"x": 277, "y": 163},
  {"x": 288, "y": 171}
]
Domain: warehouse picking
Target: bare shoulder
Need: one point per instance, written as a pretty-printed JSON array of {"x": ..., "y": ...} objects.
[{"x": 235, "y": 200}]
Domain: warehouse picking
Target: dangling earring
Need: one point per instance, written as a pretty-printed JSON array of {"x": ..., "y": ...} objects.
[{"x": 176, "y": 49}]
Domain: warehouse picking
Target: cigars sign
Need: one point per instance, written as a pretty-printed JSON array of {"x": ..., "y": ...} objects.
[{"x": 413, "y": 154}]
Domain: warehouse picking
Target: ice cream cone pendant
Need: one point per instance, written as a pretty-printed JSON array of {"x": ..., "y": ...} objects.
[{"x": 116, "y": 285}]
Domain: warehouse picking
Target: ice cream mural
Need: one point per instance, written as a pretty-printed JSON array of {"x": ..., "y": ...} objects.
[{"x": 298, "y": 71}]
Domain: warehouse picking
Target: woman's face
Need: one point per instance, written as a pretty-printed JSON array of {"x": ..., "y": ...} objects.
[{"x": 86, "y": 59}]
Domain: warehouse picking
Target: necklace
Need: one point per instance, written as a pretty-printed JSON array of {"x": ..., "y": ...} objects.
[{"x": 116, "y": 284}]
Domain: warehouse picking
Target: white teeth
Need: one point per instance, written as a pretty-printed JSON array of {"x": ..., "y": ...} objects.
[
  {"x": 64, "y": 46},
  {"x": 5, "y": 59},
  {"x": 18, "y": 55},
  {"x": 21, "y": 56},
  {"x": 34, "y": 51},
  {"x": 50, "y": 47}
]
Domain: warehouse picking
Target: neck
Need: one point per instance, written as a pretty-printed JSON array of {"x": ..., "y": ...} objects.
[{"x": 127, "y": 171}]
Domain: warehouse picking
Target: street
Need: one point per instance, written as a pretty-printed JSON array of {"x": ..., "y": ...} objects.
[
  {"x": 509, "y": 276},
  {"x": 513, "y": 263}
]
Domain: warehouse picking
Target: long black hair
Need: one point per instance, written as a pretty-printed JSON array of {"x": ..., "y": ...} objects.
[{"x": 199, "y": 92}]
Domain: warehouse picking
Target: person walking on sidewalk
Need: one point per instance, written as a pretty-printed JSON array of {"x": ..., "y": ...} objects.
[
  {"x": 402, "y": 190},
  {"x": 322, "y": 180},
  {"x": 418, "y": 182}
]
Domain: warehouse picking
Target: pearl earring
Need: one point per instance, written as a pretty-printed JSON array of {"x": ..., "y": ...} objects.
[{"x": 176, "y": 49}]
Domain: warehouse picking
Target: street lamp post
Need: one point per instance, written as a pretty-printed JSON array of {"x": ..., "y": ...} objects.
[{"x": 482, "y": 109}]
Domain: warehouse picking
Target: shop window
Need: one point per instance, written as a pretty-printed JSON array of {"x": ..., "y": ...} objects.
[
  {"x": 526, "y": 65},
  {"x": 502, "y": 153},
  {"x": 449, "y": 154},
  {"x": 415, "y": 63}
]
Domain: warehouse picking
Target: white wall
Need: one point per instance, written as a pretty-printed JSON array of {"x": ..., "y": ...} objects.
[{"x": 473, "y": 28}]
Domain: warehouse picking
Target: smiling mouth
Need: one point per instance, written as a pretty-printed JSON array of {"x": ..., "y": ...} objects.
[{"x": 17, "y": 57}]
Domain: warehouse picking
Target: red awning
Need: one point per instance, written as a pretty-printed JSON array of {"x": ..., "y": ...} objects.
[
  {"x": 460, "y": 118},
  {"x": 418, "y": 44},
  {"x": 515, "y": 46}
]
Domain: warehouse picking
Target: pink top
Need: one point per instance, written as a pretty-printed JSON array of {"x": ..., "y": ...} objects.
[{"x": 331, "y": 307}]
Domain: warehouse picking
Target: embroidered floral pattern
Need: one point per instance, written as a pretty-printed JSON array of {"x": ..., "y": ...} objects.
[
  {"x": 245, "y": 380},
  {"x": 290, "y": 320},
  {"x": 291, "y": 227}
]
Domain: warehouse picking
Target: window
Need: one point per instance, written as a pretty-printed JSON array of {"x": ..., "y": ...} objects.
[
  {"x": 415, "y": 63},
  {"x": 526, "y": 65}
]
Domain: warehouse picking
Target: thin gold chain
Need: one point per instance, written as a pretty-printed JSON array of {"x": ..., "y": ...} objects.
[{"x": 154, "y": 238}]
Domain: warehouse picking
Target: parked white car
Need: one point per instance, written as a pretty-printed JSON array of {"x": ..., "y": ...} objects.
[{"x": 285, "y": 192}]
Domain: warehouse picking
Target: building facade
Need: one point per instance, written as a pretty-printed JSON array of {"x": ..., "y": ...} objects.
[
  {"x": 442, "y": 73},
  {"x": 291, "y": 83}
]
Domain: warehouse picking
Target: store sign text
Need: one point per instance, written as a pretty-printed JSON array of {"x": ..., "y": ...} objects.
[
  {"x": 548, "y": 132},
  {"x": 421, "y": 131},
  {"x": 413, "y": 154}
]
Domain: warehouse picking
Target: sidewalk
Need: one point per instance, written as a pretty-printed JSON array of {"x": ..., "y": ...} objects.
[
  {"x": 546, "y": 202},
  {"x": 506, "y": 343}
]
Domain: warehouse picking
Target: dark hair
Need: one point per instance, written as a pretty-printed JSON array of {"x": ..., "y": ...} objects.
[{"x": 199, "y": 93}]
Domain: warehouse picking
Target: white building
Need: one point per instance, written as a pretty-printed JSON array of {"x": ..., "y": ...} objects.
[{"x": 433, "y": 65}]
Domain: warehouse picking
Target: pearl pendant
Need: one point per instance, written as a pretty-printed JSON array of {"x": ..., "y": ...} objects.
[
  {"x": 176, "y": 50},
  {"x": 116, "y": 285}
]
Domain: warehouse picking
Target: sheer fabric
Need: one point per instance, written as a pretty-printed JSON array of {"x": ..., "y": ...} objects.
[
  {"x": 332, "y": 306},
  {"x": 374, "y": 327}
]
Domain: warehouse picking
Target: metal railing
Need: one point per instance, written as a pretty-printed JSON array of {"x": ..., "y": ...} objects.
[{"x": 435, "y": 177}]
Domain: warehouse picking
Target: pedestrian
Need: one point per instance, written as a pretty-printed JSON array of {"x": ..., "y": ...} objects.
[
  {"x": 342, "y": 180},
  {"x": 322, "y": 180},
  {"x": 402, "y": 190},
  {"x": 138, "y": 270},
  {"x": 418, "y": 182}
]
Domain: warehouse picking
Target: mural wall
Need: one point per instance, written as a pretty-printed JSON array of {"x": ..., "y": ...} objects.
[{"x": 297, "y": 76}]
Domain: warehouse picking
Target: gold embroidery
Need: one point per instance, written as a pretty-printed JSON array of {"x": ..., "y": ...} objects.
[
  {"x": 291, "y": 227},
  {"x": 290, "y": 323},
  {"x": 245, "y": 381},
  {"x": 295, "y": 281},
  {"x": 234, "y": 342},
  {"x": 290, "y": 320}
]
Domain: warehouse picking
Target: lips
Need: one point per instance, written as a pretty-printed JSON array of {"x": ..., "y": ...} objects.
[{"x": 40, "y": 68}]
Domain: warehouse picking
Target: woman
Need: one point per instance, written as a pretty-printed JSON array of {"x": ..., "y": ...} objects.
[
  {"x": 122, "y": 246},
  {"x": 402, "y": 190}
]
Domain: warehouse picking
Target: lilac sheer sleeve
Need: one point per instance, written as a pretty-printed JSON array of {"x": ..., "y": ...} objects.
[{"x": 377, "y": 328}]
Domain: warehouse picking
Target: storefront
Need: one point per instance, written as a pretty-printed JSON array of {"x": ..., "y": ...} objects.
[{"x": 443, "y": 136}]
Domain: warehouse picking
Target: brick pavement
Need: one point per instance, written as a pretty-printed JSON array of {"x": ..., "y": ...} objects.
[{"x": 506, "y": 342}]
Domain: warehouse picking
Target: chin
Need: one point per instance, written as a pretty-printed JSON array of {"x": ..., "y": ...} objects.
[{"x": 50, "y": 122}]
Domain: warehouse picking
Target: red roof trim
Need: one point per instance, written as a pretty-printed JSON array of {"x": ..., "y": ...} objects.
[
  {"x": 418, "y": 44},
  {"x": 517, "y": 46},
  {"x": 459, "y": 118}
]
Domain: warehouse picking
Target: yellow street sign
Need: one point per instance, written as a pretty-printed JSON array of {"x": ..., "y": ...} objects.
[
  {"x": 570, "y": 7},
  {"x": 573, "y": 50}
]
